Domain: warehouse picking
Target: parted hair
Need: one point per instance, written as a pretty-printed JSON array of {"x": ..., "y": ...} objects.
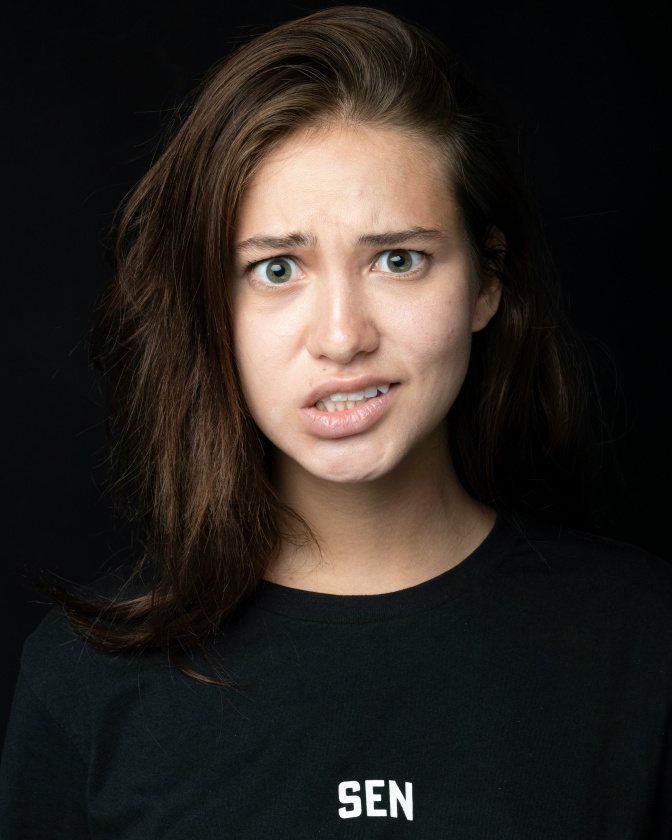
[{"x": 191, "y": 470}]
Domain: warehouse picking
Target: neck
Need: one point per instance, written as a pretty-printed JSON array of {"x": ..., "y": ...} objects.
[{"x": 379, "y": 536}]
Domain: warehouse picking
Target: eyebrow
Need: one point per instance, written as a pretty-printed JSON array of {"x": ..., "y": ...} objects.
[
  {"x": 304, "y": 240},
  {"x": 394, "y": 237},
  {"x": 277, "y": 243}
]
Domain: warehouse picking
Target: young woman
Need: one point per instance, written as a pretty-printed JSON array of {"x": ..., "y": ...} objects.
[{"x": 338, "y": 387}]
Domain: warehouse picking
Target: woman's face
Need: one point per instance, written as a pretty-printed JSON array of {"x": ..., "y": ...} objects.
[{"x": 355, "y": 300}]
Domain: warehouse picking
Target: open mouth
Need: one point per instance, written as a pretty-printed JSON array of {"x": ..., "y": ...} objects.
[{"x": 343, "y": 401}]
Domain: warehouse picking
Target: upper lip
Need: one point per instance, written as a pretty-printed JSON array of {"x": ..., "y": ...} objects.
[{"x": 347, "y": 386}]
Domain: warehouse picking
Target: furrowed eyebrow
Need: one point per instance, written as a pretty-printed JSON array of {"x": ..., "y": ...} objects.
[
  {"x": 277, "y": 243},
  {"x": 396, "y": 237},
  {"x": 305, "y": 240}
]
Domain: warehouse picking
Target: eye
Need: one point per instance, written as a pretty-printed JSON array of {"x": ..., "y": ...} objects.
[
  {"x": 399, "y": 261},
  {"x": 276, "y": 270}
]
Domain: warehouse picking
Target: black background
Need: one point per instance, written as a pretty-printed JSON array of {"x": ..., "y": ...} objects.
[{"x": 86, "y": 91}]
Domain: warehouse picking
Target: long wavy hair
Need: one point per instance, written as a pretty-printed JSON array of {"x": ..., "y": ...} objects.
[{"x": 191, "y": 468}]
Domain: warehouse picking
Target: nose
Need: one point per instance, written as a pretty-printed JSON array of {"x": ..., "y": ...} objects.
[{"x": 342, "y": 324}]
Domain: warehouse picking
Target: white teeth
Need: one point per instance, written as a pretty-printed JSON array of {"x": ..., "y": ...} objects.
[
  {"x": 359, "y": 395},
  {"x": 342, "y": 401}
]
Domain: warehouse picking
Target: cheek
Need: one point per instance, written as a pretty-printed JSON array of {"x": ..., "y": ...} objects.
[
  {"x": 252, "y": 360},
  {"x": 438, "y": 333},
  {"x": 261, "y": 358},
  {"x": 443, "y": 360}
]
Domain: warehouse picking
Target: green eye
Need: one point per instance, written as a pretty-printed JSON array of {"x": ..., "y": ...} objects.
[
  {"x": 400, "y": 261},
  {"x": 277, "y": 270}
]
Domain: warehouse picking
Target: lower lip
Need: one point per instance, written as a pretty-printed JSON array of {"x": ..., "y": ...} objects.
[{"x": 350, "y": 421}]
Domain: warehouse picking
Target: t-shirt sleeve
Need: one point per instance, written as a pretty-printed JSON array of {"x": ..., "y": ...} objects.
[{"x": 42, "y": 776}]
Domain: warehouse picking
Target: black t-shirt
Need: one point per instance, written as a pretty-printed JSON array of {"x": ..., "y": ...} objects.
[{"x": 525, "y": 693}]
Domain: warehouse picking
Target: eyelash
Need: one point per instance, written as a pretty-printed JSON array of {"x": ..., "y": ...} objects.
[{"x": 425, "y": 258}]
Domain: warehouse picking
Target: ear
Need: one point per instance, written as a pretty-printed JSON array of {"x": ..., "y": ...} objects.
[{"x": 490, "y": 289}]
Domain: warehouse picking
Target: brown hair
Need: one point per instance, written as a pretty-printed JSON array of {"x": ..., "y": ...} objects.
[{"x": 191, "y": 468}]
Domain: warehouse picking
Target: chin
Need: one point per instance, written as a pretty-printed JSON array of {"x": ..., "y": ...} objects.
[
  {"x": 350, "y": 475},
  {"x": 351, "y": 467}
]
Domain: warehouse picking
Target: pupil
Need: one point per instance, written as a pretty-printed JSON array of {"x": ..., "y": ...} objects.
[
  {"x": 278, "y": 270},
  {"x": 399, "y": 261}
]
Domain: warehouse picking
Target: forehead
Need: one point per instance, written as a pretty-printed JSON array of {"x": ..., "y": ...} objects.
[{"x": 351, "y": 176}]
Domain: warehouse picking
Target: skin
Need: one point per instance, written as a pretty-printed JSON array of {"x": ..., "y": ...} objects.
[{"x": 385, "y": 503}]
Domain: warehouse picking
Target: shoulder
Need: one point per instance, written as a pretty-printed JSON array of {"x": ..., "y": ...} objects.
[
  {"x": 51, "y": 676},
  {"x": 566, "y": 544},
  {"x": 54, "y": 653},
  {"x": 61, "y": 669},
  {"x": 568, "y": 549},
  {"x": 590, "y": 572},
  {"x": 54, "y": 647}
]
